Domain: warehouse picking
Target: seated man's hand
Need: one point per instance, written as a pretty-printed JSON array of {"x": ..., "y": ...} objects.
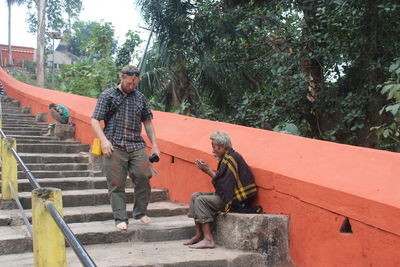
[{"x": 204, "y": 167}]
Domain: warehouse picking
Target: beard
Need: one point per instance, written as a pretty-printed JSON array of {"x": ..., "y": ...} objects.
[
  {"x": 218, "y": 158},
  {"x": 127, "y": 90}
]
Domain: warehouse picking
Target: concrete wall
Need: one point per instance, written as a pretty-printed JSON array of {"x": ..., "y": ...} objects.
[{"x": 317, "y": 183}]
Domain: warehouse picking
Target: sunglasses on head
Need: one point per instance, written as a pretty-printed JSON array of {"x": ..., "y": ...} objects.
[{"x": 131, "y": 73}]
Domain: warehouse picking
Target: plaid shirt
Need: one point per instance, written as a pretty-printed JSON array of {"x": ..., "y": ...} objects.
[{"x": 123, "y": 117}]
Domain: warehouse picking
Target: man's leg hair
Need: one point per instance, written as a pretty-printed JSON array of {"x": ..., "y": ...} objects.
[
  {"x": 197, "y": 237},
  {"x": 207, "y": 241}
]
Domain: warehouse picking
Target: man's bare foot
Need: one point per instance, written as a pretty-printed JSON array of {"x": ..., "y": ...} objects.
[
  {"x": 194, "y": 240},
  {"x": 143, "y": 220},
  {"x": 204, "y": 244},
  {"x": 122, "y": 226}
]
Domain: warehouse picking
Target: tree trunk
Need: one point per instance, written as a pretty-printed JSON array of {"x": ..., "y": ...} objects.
[
  {"x": 41, "y": 28},
  {"x": 372, "y": 53},
  {"x": 10, "y": 59}
]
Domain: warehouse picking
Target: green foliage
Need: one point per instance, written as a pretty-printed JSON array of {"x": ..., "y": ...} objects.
[
  {"x": 29, "y": 65},
  {"x": 101, "y": 43},
  {"x": 21, "y": 75},
  {"x": 92, "y": 40},
  {"x": 182, "y": 108},
  {"x": 288, "y": 128},
  {"x": 313, "y": 63},
  {"x": 56, "y": 10},
  {"x": 126, "y": 53},
  {"x": 155, "y": 104},
  {"x": 72, "y": 9},
  {"x": 79, "y": 38},
  {"x": 389, "y": 132},
  {"x": 89, "y": 78}
]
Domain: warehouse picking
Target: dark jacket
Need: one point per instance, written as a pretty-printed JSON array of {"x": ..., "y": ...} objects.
[{"x": 234, "y": 180}]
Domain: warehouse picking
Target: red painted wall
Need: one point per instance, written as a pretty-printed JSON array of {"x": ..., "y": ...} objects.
[
  {"x": 317, "y": 183},
  {"x": 19, "y": 53}
]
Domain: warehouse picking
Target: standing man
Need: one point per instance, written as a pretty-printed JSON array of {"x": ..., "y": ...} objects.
[
  {"x": 234, "y": 187},
  {"x": 124, "y": 109}
]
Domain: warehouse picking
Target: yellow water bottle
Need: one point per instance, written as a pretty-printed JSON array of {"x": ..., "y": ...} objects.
[{"x": 96, "y": 148}]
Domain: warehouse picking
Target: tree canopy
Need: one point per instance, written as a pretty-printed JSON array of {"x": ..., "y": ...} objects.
[
  {"x": 315, "y": 64},
  {"x": 91, "y": 40}
]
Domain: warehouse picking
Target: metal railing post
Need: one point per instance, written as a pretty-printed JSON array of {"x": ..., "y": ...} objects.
[
  {"x": 48, "y": 240},
  {"x": 9, "y": 168}
]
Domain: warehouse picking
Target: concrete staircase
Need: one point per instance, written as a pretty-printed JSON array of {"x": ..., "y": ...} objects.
[{"x": 66, "y": 165}]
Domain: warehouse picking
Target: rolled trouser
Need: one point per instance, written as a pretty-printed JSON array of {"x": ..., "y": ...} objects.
[
  {"x": 116, "y": 169},
  {"x": 204, "y": 207}
]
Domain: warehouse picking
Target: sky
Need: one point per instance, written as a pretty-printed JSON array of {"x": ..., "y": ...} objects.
[{"x": 123, "y": 14}]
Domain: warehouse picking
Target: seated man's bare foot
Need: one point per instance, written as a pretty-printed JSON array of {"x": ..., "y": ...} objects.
[
  {"x": 194, "y": 240},
  {"x": 122, "y": 226},
  {"x": 204, "y": 244}
]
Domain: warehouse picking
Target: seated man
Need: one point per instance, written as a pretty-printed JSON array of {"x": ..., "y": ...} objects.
[
  {"x": 233, "y": 183},
  {"x": 60, "y": 114}
]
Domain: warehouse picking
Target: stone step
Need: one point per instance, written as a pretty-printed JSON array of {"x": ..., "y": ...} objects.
[
  {"x": 14, "y": 113},
  {"x": 32, "y": 137},
  {"x": 47, "y": 142},
  {"x": 10, "y": 108},
  {"x": 27, "y": 126},
  {"x": 58, "y": 174},
  {"x": 47, "y": 158},
  {"x": 23, "y": 124},
  {"x": 58, "y": 167},
  {"x": 22, "y": 132},
  {"x": 87, "y": 197},
  {"x": 16, "y": 125},
  {"x": 13, "y": 239},
  {"x": 97, "y": 213},
  {"x": 52, "y": 148},
  {"x": 152, "y": 254},
  {"x": 17, "y": 115},
  {"x": 11, "y": 130},
  {"x": 73, "y": 183},
  {"x": 22, "y": 121},
  {"x": 18, "y": 129}
]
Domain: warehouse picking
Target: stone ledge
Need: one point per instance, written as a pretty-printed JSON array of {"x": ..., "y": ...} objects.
[
  {"x": 64, "y": 131},
  {"x": 16, "y": 103},
  {"x": 267, "y": 234},
  {"x": 41, "y": 117},
  {"x": 26, "y": 110}
]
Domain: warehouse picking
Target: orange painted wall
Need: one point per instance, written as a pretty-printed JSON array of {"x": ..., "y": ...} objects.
[{"x": 317, "y": 183}]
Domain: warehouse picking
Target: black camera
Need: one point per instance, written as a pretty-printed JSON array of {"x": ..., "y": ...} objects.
[{"x": 154, "y": 158}]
